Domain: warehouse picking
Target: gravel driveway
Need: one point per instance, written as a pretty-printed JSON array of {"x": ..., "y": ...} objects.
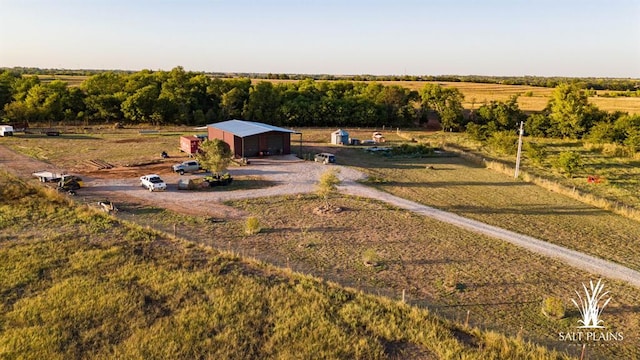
[{"x": 294, "y": 176}]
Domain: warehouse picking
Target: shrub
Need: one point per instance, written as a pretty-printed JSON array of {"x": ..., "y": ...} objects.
[
  {"x": 371, "y": 258},
  {"x": 553, "y": 308},
  {"x": 252, "y": 226},
  {"x": 568, "y": 162},
  {"x": 535, "y": 152},
  {"x": 503, "y": 142},
  {"x": 328, "y": 184}
]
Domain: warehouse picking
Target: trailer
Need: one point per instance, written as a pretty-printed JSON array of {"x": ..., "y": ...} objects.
[
  {"x": 48, "y": 176},
  {"x": 6, "y": 130},
  {"x": 190, "y": 144},
  {"x": 63, "y": 182}
]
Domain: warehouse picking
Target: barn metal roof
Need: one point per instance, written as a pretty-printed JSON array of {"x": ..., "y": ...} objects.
[{"x": 244, "y": 128}]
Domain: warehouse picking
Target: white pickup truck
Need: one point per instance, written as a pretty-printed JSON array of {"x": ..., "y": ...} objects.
[{"x": 153, "y": 182}]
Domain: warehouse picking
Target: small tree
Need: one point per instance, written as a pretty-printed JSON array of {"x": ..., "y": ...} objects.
[
  {"x": 568, "y": 162},
  {"x": 215, "y": 155},
  {"x": 328, "y": 184}
]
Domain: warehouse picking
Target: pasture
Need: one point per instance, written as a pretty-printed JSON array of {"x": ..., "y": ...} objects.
[{"x": 90, "y": 286}]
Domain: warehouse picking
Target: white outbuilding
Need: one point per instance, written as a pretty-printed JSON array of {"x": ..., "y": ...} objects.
[{"x": 340, "y": 137}]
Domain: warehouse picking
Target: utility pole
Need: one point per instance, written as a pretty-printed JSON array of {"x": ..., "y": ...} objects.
[{"x": 519, "y": 150}]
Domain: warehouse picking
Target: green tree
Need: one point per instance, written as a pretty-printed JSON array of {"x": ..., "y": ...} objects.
[
  {"x": 264, "y": 103},
  {"x": 215, "y": 155},
  {"x": 569, "y": 111},
  {"x": 499, "y": 115},
  {"x": 104, "y": 96},
  {"x": 143, "y": 106},
  {"x": 537, "y": 125},
  {"x": 568, "y": 162},
  {"x": 446, "y": 102}
]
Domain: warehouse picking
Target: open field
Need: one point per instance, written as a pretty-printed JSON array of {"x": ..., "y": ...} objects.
[{"x": 90, "y": 286}]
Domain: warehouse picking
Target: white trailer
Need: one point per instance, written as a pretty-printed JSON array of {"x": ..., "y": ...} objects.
[
  {"x": 6, "y": 130},
  {"x": 48, "y": 176}
]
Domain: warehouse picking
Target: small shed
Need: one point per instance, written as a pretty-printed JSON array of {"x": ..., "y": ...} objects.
[
  {"x": 190, "y": 144},
  {"x": 340, "y": 137}
]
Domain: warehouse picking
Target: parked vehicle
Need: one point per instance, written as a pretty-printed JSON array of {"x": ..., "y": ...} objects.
[
  {"x": 187, "y": 166},
  {"x": 6, "y": 130},
  {"x": 219, "y": 180},
  {"x": 325, "y": 158},
  {"x": 64, "y": 182},
  {"x": 153, "y": 182}
]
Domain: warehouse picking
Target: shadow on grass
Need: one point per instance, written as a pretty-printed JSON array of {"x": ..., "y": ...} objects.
[
  {"x": 527, "y": 210},
  {"x": 313, "y": 229},
  {"x": 446, "y": 184},
  {"x": 245, "y": 184}
]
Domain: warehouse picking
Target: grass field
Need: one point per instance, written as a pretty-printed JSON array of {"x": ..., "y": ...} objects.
[
  {"x": 472, "y": 191},
  {"x": 89, "y": 286},
  {"x": 442, "y": 267},
  {"x": 448, "y": 270},
  {"x": 619, "y": 175}
]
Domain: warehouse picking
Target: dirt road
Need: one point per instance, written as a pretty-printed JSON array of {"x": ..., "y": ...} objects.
[{"x": 292, "y": 176}]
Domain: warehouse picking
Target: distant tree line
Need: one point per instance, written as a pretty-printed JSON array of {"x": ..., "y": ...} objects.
[
  {"x": 191, "y": 98},
  {"x": 629, "y": 85},
  {"x": 179, "y": 97}
]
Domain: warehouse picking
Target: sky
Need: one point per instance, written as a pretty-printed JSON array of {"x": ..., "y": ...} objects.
[{"x": 575, "y": 38}]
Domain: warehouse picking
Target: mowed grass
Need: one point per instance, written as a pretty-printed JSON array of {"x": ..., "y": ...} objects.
[
  {"x": 119, "y": 147},
  {"x": 459, "y": 186},
  {"x": 79, "y": 284},
  {"x": 619, "y": 175}
]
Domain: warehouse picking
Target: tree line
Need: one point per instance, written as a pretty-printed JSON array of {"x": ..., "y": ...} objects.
[
  {"x": 190, "y": 98},
  {"x": 630, "y": 86},
  {"x": 179, "y": 97}
]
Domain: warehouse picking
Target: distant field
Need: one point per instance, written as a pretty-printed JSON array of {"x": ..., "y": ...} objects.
[
  {"x": 72, "y": 80},
  {"x": 531, "y": 98}
]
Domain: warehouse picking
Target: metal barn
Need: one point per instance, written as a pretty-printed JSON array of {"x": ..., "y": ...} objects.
[{"x": 251, "y": 139}]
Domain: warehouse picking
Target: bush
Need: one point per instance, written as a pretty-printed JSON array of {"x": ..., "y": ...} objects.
[
  {"x": 370, "y": 258},
  {"x": 568, "y": 162},
  {"x": 535, "y": 152},
  {"x": 553, "y": 308},
  {"x": 503, "y": 142},
  {"x": 412, "y": 149},
  {"x": 252, "y": 226}
]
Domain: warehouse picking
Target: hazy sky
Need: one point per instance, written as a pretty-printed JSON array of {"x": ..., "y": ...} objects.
[{"x": 392, "y": 37}]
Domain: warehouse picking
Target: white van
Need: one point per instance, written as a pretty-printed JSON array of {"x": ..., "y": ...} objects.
[{"x": 6, "y": 130}]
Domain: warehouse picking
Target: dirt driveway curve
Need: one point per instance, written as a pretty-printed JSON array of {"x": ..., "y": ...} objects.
[{"x": 293, "y": 176}]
